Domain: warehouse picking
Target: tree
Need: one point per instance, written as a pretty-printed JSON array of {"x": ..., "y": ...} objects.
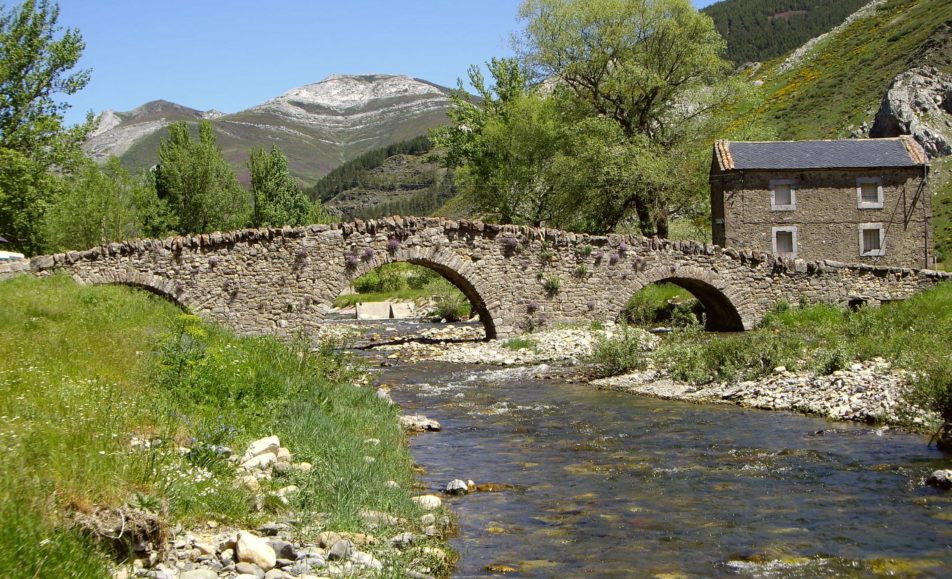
[
  {"x": 101, "y": 205},
  {"x": 278, "y": 200},
  {"x": 653, "y": 67},
  {"x": 504, "y": 143},
  {"x": 199, "y": 186},
  {"x": 35, "y": 146}
]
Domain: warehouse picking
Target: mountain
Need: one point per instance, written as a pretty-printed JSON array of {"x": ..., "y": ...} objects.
[
  {"x": 318, "y": 126},
  {"x": 758, "y": 30}
]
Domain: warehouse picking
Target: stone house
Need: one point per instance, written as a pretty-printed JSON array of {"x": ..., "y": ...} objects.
[{"x": 853, "y": 201}]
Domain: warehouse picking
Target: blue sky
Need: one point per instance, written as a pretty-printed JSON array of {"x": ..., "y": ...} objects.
[{"x": 232, "y": 54}]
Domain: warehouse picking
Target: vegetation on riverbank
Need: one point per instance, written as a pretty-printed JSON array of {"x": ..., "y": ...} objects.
[
  {"x": 404, "y": 281},
  {"x": 101, "y": 389},
  {"x": 912, "y": 334}
]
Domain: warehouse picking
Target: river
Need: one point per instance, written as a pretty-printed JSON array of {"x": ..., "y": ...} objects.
[{"x": 608, "y": 484}]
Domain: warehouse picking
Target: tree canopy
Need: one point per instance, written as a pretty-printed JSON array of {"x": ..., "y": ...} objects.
[
  {"x": 36, "y": 60},
  {"x": 278, "y": 200},
  {"x": 591, "y": 127},
  {"x": 199, "y": 186}
]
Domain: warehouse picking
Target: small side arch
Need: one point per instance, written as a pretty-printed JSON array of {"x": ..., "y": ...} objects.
[
  {"x": 725, "y": 306},
  {"x": 160, "y": 286},
  {"x": 450, "y": 266}
]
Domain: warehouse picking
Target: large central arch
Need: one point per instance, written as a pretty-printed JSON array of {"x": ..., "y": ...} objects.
[
  {"x": 724, "y": 305},
  {"x": 446, "y": 263}
]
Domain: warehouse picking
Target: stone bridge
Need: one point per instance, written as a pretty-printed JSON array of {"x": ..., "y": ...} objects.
[{"x": 284, "y": 280}]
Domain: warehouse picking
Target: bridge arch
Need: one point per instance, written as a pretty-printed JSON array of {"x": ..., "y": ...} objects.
[
  {"x": 162, "y": 287},
  {"x": 725, "y": 306},
  {"x": 449, "y": 265}
]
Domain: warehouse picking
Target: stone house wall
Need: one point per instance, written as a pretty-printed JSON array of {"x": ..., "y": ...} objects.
[{"x": 827, "y": 214}]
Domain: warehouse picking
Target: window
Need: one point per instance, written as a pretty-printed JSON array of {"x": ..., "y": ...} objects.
[
  {"x": 783, "y": 195},
  {"x": 872, "y": 240},
  {"x": 785, "y": 241},
  {"x": 869, "y": 193}
]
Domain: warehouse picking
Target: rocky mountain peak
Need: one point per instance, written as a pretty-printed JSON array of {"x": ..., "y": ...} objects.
[{"x": 348, "y": 93}]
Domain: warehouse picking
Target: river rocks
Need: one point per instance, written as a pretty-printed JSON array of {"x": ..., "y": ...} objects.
[
  {"x": 199, "y": 574},
  {"x": 419, "y": 423},
  {"x": 252, "y": 549},
  {"x": 867, "y": 392},
  {"x": 918, "y": 103},
  {"x": 428, "y": 502},
  {"x": 269, "y": 444},
  {"x": 457, "y": 487},
  {"x": 940, "y": 479},
  {"x": 341, "y": 549}
]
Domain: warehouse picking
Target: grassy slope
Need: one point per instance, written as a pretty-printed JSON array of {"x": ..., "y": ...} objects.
[
  {"x": 842, "y": 86},
  {"x": 86, "y": 369}
]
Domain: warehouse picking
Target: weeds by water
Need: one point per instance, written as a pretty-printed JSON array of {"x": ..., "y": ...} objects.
[{"x": 100, "y": 388}]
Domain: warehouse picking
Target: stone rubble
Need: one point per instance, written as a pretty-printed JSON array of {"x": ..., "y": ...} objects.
[
  {"x": 273, "y": 551},
  {"x": 867, "y": 392}
]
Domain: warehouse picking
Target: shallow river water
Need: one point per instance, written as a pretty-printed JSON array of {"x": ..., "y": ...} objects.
[{"x": 608, "y": 484}]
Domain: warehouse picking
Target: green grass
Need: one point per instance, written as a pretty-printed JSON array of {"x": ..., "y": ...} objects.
[
  {"x": 87, "y": 369},
  {"x": 912, "y": 334},
  {"x": 851, "y": 71},
  {"x": 519, "y": 344},
  {"x": 661, "y": 303}
]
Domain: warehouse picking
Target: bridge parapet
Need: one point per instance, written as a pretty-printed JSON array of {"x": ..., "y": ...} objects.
[{"x": 517, "y": 277}]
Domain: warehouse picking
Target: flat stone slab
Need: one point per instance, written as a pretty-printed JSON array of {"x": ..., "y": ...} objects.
[
  {"x": 373, "y": 311},
  {"x": 402, "y": 311}
]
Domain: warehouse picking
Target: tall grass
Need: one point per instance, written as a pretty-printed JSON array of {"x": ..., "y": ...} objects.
[
  {"x": 86, "y": 371},
  {"x": 914, "y": 334}
]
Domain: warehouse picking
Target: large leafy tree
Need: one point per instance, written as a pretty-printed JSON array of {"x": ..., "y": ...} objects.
[
  {"x": 651, "y": 67},
  {"x": 100, "y": 205},
  {"x": 199, "y": 186},
  {"x": 278, "y": 200},
  {"x": 504, "y": 144},
  {"x": 36, "y": 60}
]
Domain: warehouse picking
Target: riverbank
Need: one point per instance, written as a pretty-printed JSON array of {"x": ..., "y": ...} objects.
[
  {"x": 141, "y": 441},
  {"x": 890, "y": 364}
]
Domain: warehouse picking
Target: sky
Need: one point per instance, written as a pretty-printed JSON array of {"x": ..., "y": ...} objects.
[{"x": 233, "y": 54}]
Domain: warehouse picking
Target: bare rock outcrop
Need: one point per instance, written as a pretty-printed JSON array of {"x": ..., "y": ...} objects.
[{"x": 918, "y": 103}]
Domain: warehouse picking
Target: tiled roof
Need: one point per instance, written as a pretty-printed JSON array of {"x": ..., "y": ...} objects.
[{"x": 845, "y": 154}]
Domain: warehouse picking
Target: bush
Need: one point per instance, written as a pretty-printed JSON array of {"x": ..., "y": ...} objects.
[
  {"x": 932, "y": 391},
  {"x": 692, "y": 355},
  {"x": 660, "y": 304},
  {"x": 619, "y": 354},
  {"x": 449, "y": 303},
  {"x": 386, "y": 278},
  {"x": 551, "y": 285}
]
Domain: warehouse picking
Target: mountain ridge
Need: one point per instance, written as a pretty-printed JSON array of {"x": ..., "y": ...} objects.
[{"x": 317, "y": 125}]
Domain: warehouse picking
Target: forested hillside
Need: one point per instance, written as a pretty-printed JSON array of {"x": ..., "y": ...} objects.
[
  {"x": 399, "y": 179},
  {"x": 759, "y": 30}
]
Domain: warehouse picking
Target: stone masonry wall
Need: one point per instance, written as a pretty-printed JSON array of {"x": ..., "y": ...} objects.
[
  {"x": 283, "y": 280},
  {"x": 828, "y": 218}
]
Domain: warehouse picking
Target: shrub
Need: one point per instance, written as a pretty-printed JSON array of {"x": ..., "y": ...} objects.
[
  {"x": 623, "y": 249},
  {"x": 932, "y": 391},
  {"x": 519, "y": 344},
  {"x": 551, "y": 285},
  {"x": 619, "y": 354},
  {"x": 660, "y": 304},
  {"x": 613, "y": 259},
  {"x": 449, "y": 303},
  {"x": 393, "y": 244},
  {"x": 386, "y": 278},
  {"x": 584, "y": 251},
  {"x": 581, "y": 272}
]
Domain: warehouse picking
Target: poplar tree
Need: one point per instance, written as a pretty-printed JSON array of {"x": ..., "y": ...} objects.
[
  {"x": 200, "y": 187},
  {"x": 277, "y": 198}
]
